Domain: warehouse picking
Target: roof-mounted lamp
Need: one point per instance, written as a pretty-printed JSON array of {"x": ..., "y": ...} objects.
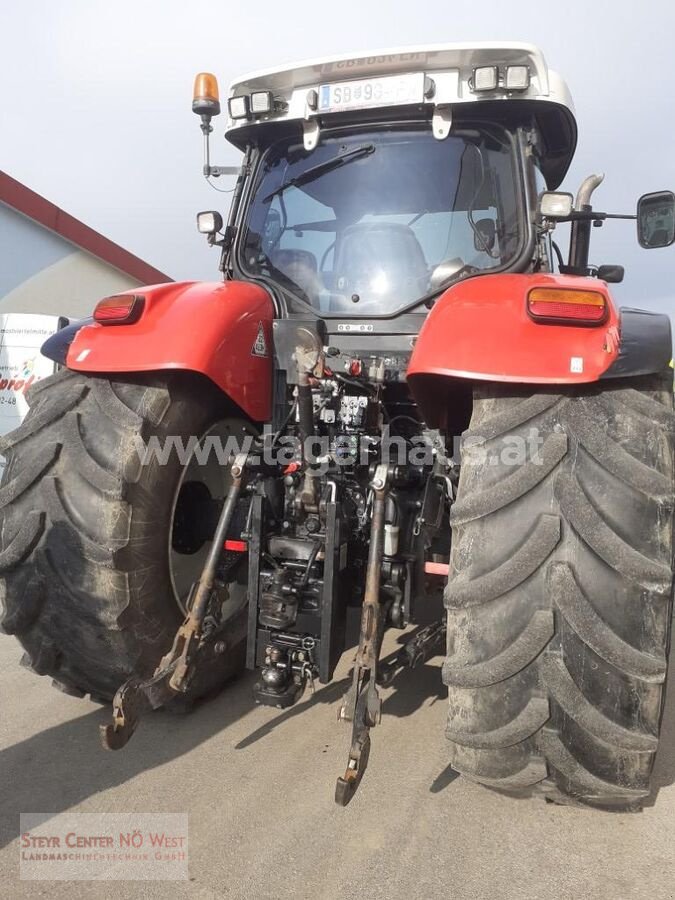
[
  {"x": 206, "y": 104},
  {"x": 205, "y": 97}
]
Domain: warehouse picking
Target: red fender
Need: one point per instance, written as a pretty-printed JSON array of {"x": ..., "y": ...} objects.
[
  {"x": 480, "y": 328},
  {"x": 212, "y": 328}
]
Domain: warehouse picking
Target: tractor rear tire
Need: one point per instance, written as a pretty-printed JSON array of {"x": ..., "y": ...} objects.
[
  {"x": 560, "y": 594},
  {"x": 88, "y": 532}
]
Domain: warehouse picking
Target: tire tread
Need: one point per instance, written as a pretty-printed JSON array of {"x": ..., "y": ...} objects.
[{"x": 539, "y": 573}]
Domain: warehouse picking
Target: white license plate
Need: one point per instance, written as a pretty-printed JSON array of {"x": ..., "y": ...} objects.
[{"x": 391, "y": 90}]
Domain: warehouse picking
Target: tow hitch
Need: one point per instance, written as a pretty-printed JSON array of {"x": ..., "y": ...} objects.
[
  {"x": 191, "y": 645},
  {"x": 361, "y": 704}
]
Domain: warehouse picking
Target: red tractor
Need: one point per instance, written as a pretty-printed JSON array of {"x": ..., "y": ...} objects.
[{"x": 219, "y": 470}]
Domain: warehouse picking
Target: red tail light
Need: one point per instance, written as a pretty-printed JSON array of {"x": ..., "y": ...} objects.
[
  {"x": 235, "y": 546},
  {"x": 120, "y": 309},
  {"x": 566, "y": 305}
]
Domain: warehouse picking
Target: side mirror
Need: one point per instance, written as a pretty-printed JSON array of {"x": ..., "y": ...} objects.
[
  {"x": 486, "y": 237},
  {"x": 656, "y": 220},
  {"x": 611, "y": 274}
]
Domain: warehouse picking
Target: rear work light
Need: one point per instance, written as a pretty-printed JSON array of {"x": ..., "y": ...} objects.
[
  {"x": 120, "y": 309},
  {"x": 262, "y": 102},
  {"x": 239, "y": 107},
  {"x": 517, "y": 78},
  {"x": 485, "y": 78},
  {"x": 567, "y": 305}
]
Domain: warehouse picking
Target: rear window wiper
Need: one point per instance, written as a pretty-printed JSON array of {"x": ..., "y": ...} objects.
[{"x": 320, "y": 169}]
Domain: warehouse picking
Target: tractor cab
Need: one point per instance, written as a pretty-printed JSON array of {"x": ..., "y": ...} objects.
[{"x": 370, "y": 185}]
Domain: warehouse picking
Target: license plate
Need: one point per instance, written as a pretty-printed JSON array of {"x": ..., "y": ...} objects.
[{"x": 390, "y": 90}]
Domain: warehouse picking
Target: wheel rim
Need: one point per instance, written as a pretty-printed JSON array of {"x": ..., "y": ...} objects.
[{"x": 198, "y": 498}]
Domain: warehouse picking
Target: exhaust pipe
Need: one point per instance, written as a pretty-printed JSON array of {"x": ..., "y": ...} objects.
[
  {"x": 588, "y": 185},
  {"x": 580, "y": 237}
]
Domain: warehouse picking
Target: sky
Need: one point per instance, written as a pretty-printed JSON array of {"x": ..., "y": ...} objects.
[{"x": 95, "y": 103}]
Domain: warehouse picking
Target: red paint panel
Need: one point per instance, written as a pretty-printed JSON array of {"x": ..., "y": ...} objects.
[
  {"x": 480, "y": 328},
  {"x": 197, "y": 326}
]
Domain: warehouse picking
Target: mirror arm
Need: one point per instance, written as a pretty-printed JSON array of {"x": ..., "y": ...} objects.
[
  {"x": 591, "y": 216},
  {"x": 573, "y": 270}
]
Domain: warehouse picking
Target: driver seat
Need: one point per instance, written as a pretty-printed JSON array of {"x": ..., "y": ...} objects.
[
  {"x": 368, "y": 249},
  {"x": 300, "y": 266}
]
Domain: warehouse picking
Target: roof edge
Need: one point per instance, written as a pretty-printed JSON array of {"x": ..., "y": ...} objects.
[
  {"x": 324, "y": 65},
  {"x": 31, "y": 204}
]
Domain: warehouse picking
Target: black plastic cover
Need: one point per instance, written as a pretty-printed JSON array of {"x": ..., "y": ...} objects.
[
  {"x": 646, "y": 344},
  {"x": 56, "y": 347}
]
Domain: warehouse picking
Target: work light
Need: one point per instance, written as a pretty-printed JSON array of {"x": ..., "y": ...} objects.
[
  {"x": 517, "y": 78},
  {"x": 261, "y": 102},
  {"x": 209, "y": 222},
  {"x": 555, "y": 204},
  {"x": 238, "y": 107},
  {"x": 485, "y": 78}
]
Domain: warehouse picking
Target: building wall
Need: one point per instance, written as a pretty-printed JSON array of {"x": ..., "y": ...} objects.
[{"x": 41, "y": 272}]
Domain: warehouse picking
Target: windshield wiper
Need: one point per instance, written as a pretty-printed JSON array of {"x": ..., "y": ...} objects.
[{"x": 320, "y": 169}]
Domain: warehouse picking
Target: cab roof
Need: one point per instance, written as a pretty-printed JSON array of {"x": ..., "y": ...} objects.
[{"x": 451, "y": 69}]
